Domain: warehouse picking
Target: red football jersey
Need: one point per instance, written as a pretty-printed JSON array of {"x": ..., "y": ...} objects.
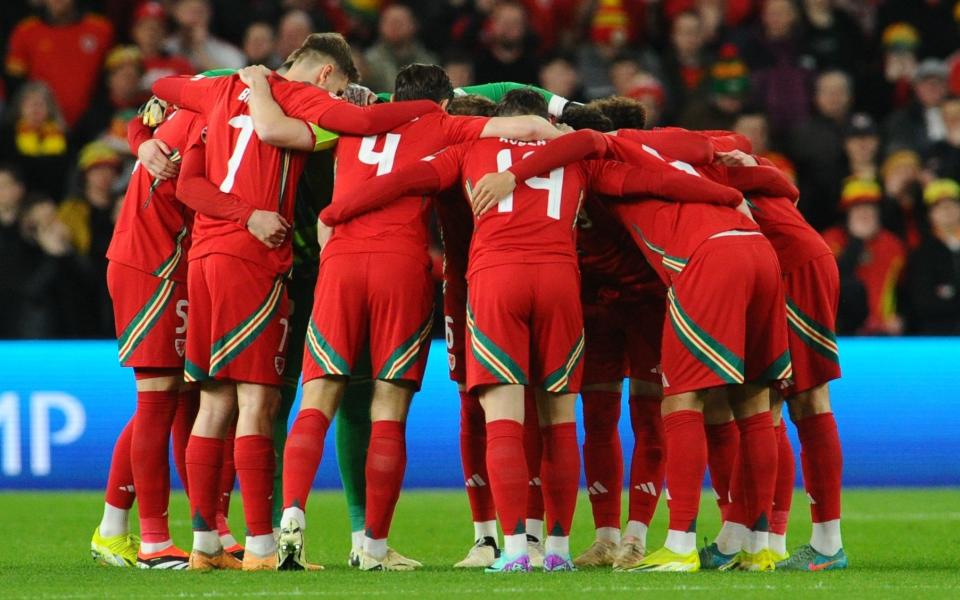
[
  {"x": 152, "y": 233},
  {"x": 261, "y": 175},
  {"x": 535, "y": 223},
  {"x": 668, "y": 232},
  {"x": 795, "y": 241},
  {"x": 611, "y": 265},
  {"x": 401, "y": 226},
  {"x": 455, "y": 218}
]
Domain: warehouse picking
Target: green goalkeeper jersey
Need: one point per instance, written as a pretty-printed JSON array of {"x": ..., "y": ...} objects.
[{"x": 496, "y": 92}]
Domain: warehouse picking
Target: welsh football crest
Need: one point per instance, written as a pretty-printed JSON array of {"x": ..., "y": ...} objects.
[
  {"x": 180, "y": 346},
  {"x": 280, "y": 363}
]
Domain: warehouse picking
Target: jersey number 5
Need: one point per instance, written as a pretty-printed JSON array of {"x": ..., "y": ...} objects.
[{"x": 552, "y": 184}]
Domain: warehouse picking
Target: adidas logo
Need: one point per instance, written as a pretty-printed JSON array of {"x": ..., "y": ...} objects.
[
  {"x": 475, "y": 481},
  {"x": 597, "y": 488},
  {"x": 666, "y": 493},
  {"x": 647, "y": 488},
  {"x": 535, "y": 482},
  {"x": 126, "y": 488},
  {"x": 810, "y": 498}
]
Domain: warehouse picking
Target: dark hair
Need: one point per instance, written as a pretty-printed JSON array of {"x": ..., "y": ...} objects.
[
  {"x": 472, "y": 105},
  {"x": 419, "y": 82},
  {"x": 625, "y": 113},
  {"x": 586, "y": 117},
  {"x": 523, "y": 101},
  {"x": 330, "y": 46}
]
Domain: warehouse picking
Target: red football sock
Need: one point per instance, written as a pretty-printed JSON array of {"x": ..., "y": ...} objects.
[
  {"x": 786, "y": 477},
  {"x": 686, "y": 445},
  {"x": 533, "y": 450},
  {"x": 602, "y": 456},
  {"x": 473, "y": 451},
  {"x": 228, "y": 475},
  {"x": 302, "y": 455},
  {"x": 188, "y": 403},
  {"x": 822, "y": 460},
  {"x": 723, "y": 443},
  {"x": 120, "y": 491},
  {"x": 648, "y": 460},
  {"x": 151, "y": 466},
  {"x": 509, "y": 478},
  {"x": 560, "y": 471},
  {"x": 386, "y": 464},
  {"x": 204, "y": 457},
  {"x": 758, "y": 469},
  {"x": 255, "y": 463}
]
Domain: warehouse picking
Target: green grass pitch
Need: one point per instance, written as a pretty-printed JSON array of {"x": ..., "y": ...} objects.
[{"x": 901, "y": 543}]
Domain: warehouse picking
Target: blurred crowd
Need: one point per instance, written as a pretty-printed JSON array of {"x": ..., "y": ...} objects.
[{"x": 857, "y": 100}]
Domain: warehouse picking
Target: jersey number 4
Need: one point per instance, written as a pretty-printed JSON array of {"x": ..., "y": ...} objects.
[
  {"x": 383, "y": 159},
  {"x": 552, "y": 184}
]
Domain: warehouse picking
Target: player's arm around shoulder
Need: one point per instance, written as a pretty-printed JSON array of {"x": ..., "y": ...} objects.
[
  {"x": 270, "y": 123},
  {"x": 526, "y": 128}
]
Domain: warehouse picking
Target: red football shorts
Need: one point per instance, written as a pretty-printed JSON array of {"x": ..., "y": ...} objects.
[
  {"x": 622, "y": 339},
  {"x": 239, "y": 321},
  {"x": 812, "y": 292},
  {"x": 150, "y": 315},
  {"x": 726, "y": 321},
  {"x": 384, "y": 298},
  {"x": 455, "y": 324},
  {"x": 525, "y": 326}
]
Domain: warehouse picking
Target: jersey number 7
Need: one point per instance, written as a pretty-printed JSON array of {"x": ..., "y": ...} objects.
[{"x": 552, "y": 184}]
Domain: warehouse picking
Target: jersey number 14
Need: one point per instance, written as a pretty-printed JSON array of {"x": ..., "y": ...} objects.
[{"x": 552, "y": 184}]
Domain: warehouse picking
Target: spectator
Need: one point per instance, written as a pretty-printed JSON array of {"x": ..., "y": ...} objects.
[
  {"x": 64, "y": 49},
  {"x": 607, "y": 49},
  {"x": 715, "y": 13},
  {"x": 935, "y": 18},
  {"x": 890, "y": 84},
  {"x": 113, "y": 108},
  {"x": 943, "y": 159},
  {"x": 194, "y": 40},
  {"x": 294, "y": 27},
  {"x": 34, "y": 138},
  {"x": 148, "y": 32},
  {"x": 56, "y": 302},
  {"x": 902, "y": 213},
  {"x": 460, "y": 69},
  {"x": 781, "y": 84},
  {"x": 258, "y": 45},
  {"x": 729, "y": 85},
  {"x": 816, "y": 147},
  {"x": 685, "y": 62},
  {"x": 89, "y": 219},
  {"x": 12, "y": 249},
  {"x": 870, "y": 254},
  {"x": 831, "y": 37},
  {"x": 861, "y": 144},
  {"x": 396, "y": 47},
  {"x": 933, "y": 272},
  {"x": 649, "y": 93},
  {"x": 920, "y": 124},
  {"x": 754, "y": 126},
  {"x": 559, "y": 75},
  {"x": 507, "y": 54}
]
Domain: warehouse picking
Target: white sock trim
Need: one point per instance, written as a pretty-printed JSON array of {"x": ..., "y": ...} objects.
[
  {"x": 482, "y": 529},
  {"x": 115, "y": 521}
]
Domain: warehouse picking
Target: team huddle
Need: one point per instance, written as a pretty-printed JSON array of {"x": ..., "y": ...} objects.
[{"x": 277, "y": 226}]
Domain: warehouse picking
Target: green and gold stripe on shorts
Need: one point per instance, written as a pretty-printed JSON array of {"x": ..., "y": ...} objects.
[
  {"x": 404, "y": 357},
  {"x": 819, "y": 337},
  {"x": 237, "y": 339},
  {"x": 671, "y": 263},
  {"x": 780, "y": 369},
  {"x": 192, "y": 373},
  {"x": 724, "y": 363},
  {"x": 497, "y": 362},
  {"x": 170, "y": 265},
  {"x": 324, "y": 354},
  {"x": 558, "y": 382},
  {"x": 145, "y": 319}
]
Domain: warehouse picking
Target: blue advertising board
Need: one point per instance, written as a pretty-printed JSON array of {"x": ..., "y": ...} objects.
[{"x": 62, "y": 404}]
